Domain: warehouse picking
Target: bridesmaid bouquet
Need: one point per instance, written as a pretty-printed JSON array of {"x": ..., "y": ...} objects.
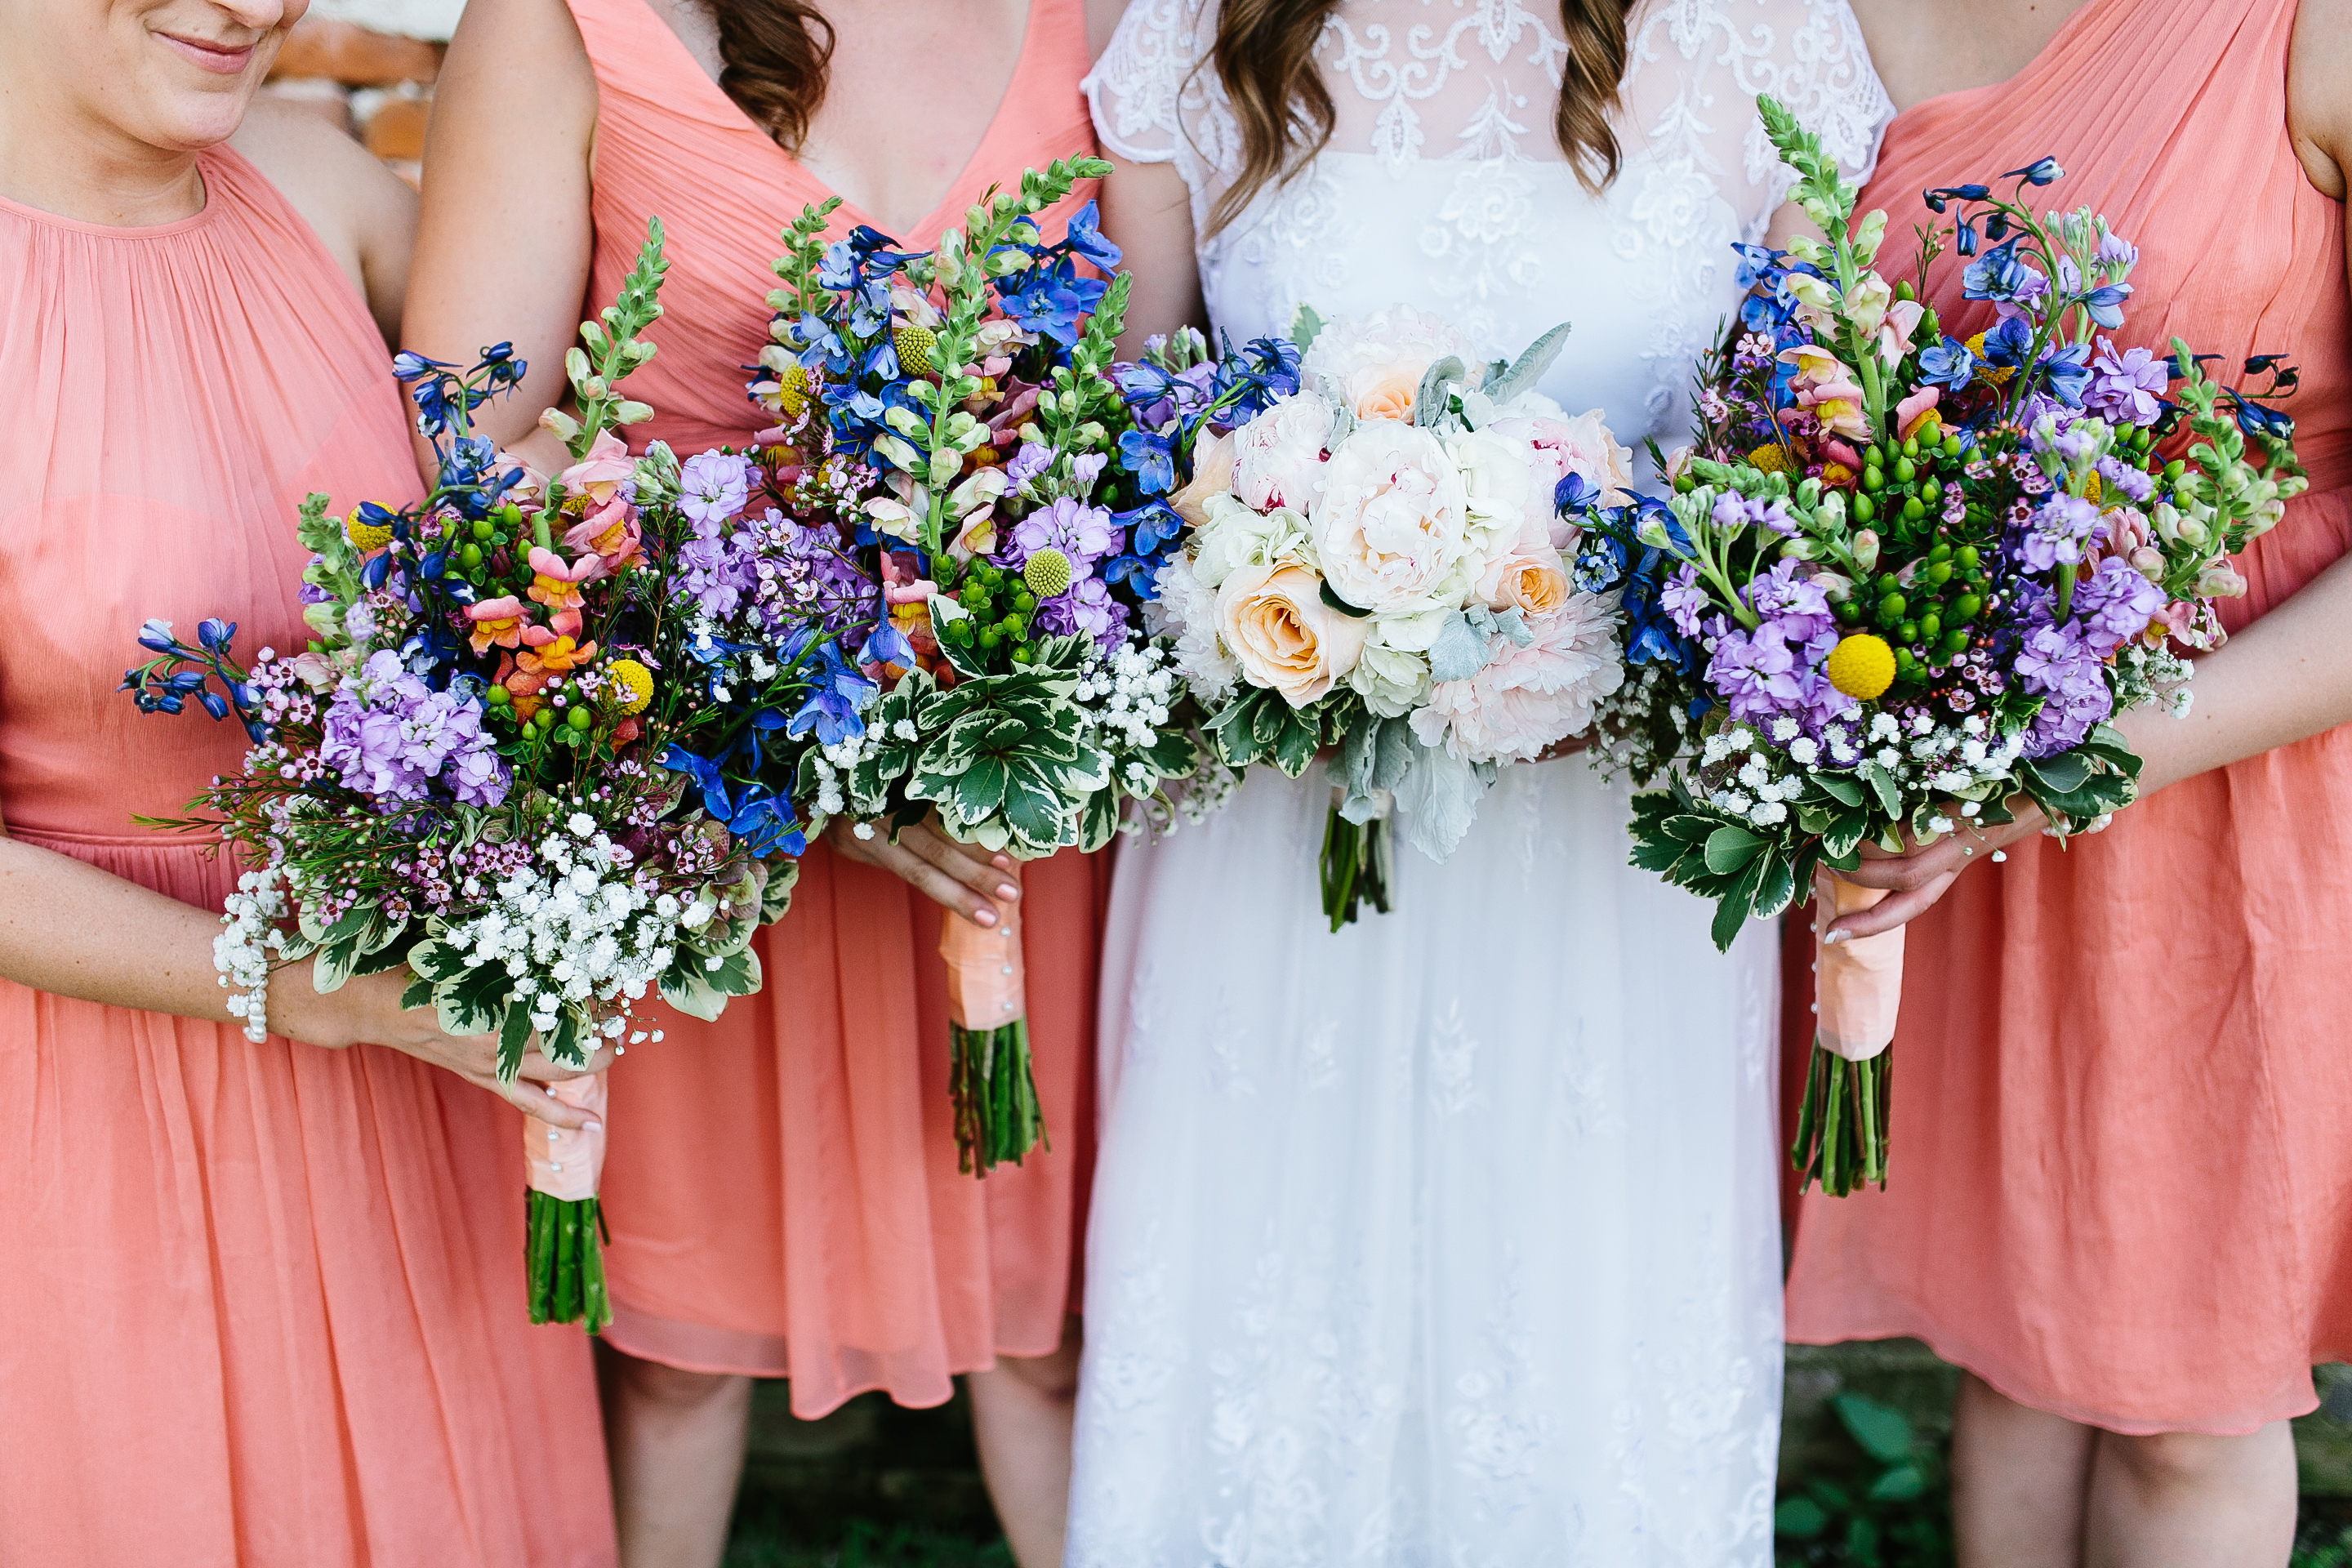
[
  {"x": 1374, "y": 564},
  {"x": 516, "y": 759},
  {"x": 1904, "y": 580},
  {"x": 947, "y": 418}
]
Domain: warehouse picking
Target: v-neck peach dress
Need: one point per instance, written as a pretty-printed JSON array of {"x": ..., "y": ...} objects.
[
  {"x": 781, "y": 1184},
  {"x": 261, "y": 1306},
  {"x": 2121, "y": 1179}
]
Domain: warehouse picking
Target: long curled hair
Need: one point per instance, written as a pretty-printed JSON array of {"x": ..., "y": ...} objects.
[
  {"x": 1265, "y": 56},
  {"x": 774, "y": 56}
]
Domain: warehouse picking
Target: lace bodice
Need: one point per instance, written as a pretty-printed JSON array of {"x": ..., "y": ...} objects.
[{"x": 1442, "y": 184}]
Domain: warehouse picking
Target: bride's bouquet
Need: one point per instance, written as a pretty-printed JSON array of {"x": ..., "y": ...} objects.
[
  {"x": 947, "y": 418},
  {"x": 1377, "y": 565},
  {"x": 1903, "y": 581},
  {"x": 503, "y": 762}
]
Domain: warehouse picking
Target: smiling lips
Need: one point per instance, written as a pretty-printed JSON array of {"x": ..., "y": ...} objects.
[{"x": 222, "y": 59}]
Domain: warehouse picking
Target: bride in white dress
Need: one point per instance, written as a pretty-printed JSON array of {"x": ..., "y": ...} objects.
[{"x": 1451, "y": 1239}]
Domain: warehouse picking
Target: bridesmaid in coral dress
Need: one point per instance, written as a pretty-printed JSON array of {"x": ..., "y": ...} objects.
[
  {"x": 260, "y": 1302},
  {"x": 782, "y": 1185},
  {"x": 2122, "y": 1188}
]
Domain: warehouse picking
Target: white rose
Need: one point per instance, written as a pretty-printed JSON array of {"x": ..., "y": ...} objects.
[
  {"x": 1392, "y": 523},
  {"x": 1278, "y": 456},
  {"x": 1236, "y": 536}
]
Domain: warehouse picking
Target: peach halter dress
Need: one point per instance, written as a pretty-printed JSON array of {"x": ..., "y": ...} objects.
[
  {"x": 781, "y": 1184},
  {"x": 261, "y": 1306},
  {"x": 2122, "y": 1166}
]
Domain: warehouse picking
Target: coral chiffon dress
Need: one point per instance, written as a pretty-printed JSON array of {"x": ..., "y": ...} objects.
[
  {"x": 2121, "y": 1183},
  {"x": 781, "y": 1184},
  {"x": 261, "y": 1306}
]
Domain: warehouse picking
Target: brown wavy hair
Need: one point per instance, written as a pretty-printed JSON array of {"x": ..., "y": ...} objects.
[
  {"x": 1265, "y": 55},
  {"x": 774, "y": 56}
]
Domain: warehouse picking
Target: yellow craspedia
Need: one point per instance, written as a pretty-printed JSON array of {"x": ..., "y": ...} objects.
[
  {"x": 366, "y": 536},
  {"x": 2091, "y": 488},
  {"x": 1047, "y": 572},
  {"x": 1861, "y": 666},
  {"x": 914, "y": 345},
  {"x": 792, "y": 390},
  {"x": 631, "y": 685},
  {"x": 1771, "y": 457}
]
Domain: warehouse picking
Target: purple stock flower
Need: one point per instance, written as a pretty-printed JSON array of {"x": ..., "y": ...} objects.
[
  {"x": 1732, "y": 512},
  {"x": 2125, "y": 388},
  {"x": 2136, "y": 484},
  {"x": 1087, "y": 607},
  {"x": 1034, "y": 458},
  {"x": 2057, "y": 533},
  {"x": 1087, "y": 467},
  {"x": 2071, "y": 678},
  {"x": 1085, "y": 533},
  {"x": 1684, "y": 600},
  {"x": 1777, "y": 670},
  {"x": 2113, "y": 604},
  {"x": 712, "y": 487},
  {"x": 390, "y": 735}
]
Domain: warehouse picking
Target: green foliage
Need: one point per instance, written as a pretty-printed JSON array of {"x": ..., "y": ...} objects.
[
  {"x": 865, "y": 1544},
  {"x": 1891, "y": 1514}
]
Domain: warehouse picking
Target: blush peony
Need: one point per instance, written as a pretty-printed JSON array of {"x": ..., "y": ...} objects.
[
  {"x": 1278, "y": 456},
  {"x": 1528, "y": 696},
  {"x": 1373, "y": 364}
]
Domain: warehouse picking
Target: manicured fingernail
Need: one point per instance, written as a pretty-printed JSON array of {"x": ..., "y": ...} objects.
[
  {"x": 1007, "y": 891},
  {"x": 1837, "y": 936},
  {"x": 986, "y": 917}
]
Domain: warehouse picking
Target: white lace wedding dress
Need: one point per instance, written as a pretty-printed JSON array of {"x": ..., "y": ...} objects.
[{"x": 1451, "y": 1239}]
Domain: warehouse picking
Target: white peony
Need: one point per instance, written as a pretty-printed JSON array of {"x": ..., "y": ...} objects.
[
  {"x": 1232, "y": 536},
  {"x": 1529, "y": 697},
  {"x": 1278, "y": 456},
  {"x": 1391, "y": 528},
  {"x": 1373, "y": 364},
  {"x": 1498, "y": 482}
]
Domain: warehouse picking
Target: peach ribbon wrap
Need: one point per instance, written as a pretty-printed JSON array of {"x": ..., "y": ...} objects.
[
  {"x": 557, "y": 1161},
  {"x": 986, "y": 976},
  {"x": 1857, "y": 984}
]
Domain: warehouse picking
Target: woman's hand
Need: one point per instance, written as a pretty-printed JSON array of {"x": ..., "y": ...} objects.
[
  {"x": 366, "y": 1009},
  {"x": 956, "y": 877},
  {"x": 1919, "y": 875}
]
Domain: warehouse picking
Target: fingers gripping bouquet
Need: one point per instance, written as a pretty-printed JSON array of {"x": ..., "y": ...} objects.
[
  {"x": 1376, "y": 567},
  {"x": 471, "y": 772},
  {"x": 950, "y": 415},
  {"x": 1911, "y": 578}
]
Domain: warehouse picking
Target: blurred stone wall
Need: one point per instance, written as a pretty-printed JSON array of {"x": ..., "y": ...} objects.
[{"x": 367, "y": 67}]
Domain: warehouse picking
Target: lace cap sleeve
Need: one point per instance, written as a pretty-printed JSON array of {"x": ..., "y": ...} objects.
[
  {"x": 1137, "y": 90},
  {"x": 1696, "y": 67}
]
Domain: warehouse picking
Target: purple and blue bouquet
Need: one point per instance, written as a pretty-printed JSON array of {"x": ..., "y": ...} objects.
[
  {"x": 1903, "y": 581},
  {"x": 524, "y": 754},
  {"x": 947, "y": 418}
]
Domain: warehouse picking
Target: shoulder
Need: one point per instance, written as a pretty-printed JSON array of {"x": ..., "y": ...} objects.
[
  {"x": 1140, "y": 83},
  {"x": 1811, "y": 55},
  {"x": 340, "y": 190},
  {"x": 2319, "y": 93}
]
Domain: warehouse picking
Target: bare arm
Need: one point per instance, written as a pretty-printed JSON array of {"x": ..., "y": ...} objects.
[
  {"x": 1102, "y": 21},
  {"x": 67, "y": 927},
  {"x": 1148, "y": 212},
  {"x": 363, "y": 213},
  {"x": 505, "y": 237}
]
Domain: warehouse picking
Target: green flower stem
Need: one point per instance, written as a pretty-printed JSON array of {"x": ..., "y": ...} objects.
[
  {"x": 563, "y": 1263},
  {"x": 1355, "y": 867},
  {"x": 1841, "y": 1124},
  {"x": 997, "y": 1115}
]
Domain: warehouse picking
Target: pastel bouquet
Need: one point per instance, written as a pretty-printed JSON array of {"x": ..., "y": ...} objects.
[
  {"x": 1902, "y": 581},
  {"x": 498, "y": 764},
  {"x": 1377, "y": 565},
  {"x": 947, "y": 417}
]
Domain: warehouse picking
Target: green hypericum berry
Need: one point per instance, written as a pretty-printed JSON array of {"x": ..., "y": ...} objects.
[{"x": 579, "y": 719}]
